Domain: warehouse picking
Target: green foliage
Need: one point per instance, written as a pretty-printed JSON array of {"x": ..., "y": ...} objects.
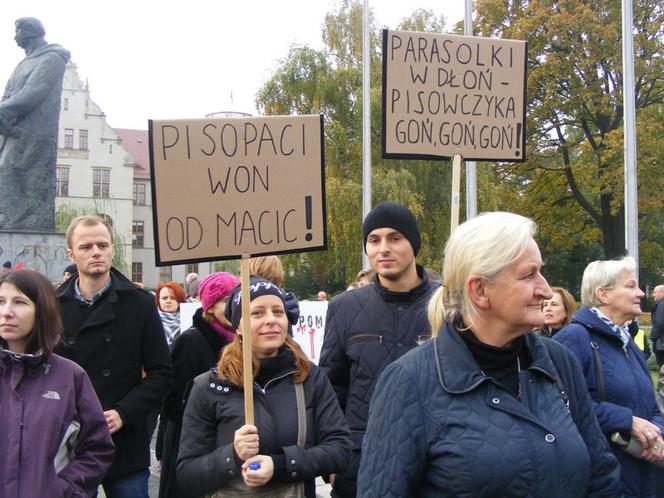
[
  {"x": 573, "y": 181},
  {"x": 65, "y": 213},
  {"x": 329, "y": 81}
]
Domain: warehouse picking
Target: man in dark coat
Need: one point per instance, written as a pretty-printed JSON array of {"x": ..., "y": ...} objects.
[
  {"x": 29, "y": 114},
  {"x": 112, "y": 329},
  {"x": 657, "y": 332},
  {"x": 369, "y": 327}
]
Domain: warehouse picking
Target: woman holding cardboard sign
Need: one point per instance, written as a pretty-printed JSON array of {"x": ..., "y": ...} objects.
[{"x": 300, "y": 432}]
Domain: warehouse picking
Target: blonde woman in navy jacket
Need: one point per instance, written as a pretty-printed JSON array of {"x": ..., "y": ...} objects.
[{"x": 486, "y": 408}]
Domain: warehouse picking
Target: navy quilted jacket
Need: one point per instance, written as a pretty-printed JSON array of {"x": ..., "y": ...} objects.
[
  {"x": 439, "y": 427},
  {"x": 629, "y": 390},
  {"x": 365, "y": 330}
]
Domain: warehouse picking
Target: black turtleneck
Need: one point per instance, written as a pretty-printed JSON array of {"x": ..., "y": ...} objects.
[{"x": 498, "y": 363}]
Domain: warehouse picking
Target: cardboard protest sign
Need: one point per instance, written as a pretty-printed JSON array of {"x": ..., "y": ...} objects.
[
  {"x": 446, "y": 95},
  {"x": 310, "y": 328},
  {"x": 228, "y": 187}
]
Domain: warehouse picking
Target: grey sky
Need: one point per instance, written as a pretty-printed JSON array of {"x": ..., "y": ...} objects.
[{"x": 183, "y": 59}]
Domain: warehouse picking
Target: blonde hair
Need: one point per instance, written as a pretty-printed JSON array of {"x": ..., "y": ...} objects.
[
  {"x": 269, "y": 268},
  {"x": 88, "y": 220},
  {"x": 604, "y": 275},
  {"x": 483, "y": 246}
]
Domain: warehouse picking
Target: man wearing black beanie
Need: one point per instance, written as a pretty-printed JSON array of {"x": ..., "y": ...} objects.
[{"x": 369, "y": 327}]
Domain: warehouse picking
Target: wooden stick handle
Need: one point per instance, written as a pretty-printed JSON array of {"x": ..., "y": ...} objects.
[{"x": 247, "y": 365}]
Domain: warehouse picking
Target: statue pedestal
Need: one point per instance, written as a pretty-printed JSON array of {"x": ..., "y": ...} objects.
[{"x": 42, "y": 251}]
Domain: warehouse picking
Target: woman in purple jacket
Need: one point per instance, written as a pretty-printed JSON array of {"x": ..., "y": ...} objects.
[{"x": 54, "y": 441}]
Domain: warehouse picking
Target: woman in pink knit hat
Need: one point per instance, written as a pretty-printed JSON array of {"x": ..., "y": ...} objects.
[{"x": 195, "y": 351}]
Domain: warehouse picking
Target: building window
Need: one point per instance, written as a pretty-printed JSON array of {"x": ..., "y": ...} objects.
[
  {"x": 192, "y": 268},
  {"x": 101, "y": 182},
  {"x": 83, "y": 139},
  {"x": 66, "y": 104},
  {"x": 62, "y": 181},
  {"x": 166, "y": 274},
  {"x": 137, "y": 272},
  {"x": 139, "y": 194},
  {"x": 69, "y": 138},
  {"x": 138, "y": 234}
]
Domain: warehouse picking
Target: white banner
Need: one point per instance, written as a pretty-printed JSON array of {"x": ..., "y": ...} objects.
[{"x": 308, "y": 332}]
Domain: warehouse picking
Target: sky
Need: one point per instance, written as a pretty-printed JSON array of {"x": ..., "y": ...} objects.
[{"x": 146, "y": 59}]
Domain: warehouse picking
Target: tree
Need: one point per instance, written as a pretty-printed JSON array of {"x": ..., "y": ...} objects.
[
  {"x": 329, "y": 81},
  {"x": 572, "y": 183}
]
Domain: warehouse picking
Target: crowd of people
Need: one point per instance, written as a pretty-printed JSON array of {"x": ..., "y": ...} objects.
[{"x": 482, "y": 382}]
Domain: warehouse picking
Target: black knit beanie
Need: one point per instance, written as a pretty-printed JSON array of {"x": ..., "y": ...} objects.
[
  {"x": 257, "y": 287},
  {"x": 393, "y": 215}
]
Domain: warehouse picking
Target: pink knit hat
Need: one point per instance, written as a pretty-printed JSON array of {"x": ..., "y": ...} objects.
[{"x": 215, "y": 287}]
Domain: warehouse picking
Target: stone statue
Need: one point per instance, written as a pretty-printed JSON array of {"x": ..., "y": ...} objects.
[{"x": 29, "y": 114}]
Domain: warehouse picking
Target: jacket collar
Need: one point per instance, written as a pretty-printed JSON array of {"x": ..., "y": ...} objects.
[
  {"x": 458, "y": 372},
  {"x": 119, "y": 283},
  {"x": 595, "y": 324},
  {"x": 411, "y": 295}
]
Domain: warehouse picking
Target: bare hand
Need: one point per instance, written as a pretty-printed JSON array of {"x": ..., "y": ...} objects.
[
  {"x": 260, "y": 476},
  {"x": 333, "y": 479},
  {"x": 246, "y": 442},
  {"x": 655, "y": 453},
  {"x": 113, "y": 421},
  {"x": 647, "y": 432}
]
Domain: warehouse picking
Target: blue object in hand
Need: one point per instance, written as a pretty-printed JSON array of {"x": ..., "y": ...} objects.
[{"x": 254, "y": 466}]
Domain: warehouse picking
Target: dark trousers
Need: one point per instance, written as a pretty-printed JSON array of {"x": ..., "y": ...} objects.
[{"x": 346, "y": 484}]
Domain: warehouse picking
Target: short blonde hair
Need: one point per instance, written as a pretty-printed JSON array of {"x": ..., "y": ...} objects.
[
  {"x": 87, "y": 220},
  {"x": 603, "y": 275},
  {"x": 269, "y": 268},
  {"x": 483, "y": 246}
]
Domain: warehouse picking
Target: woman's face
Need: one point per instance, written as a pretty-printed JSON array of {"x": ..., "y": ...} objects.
[
  {"x": 515, "y": 295},
  {"x": 167, "y": 300},
  {"x": 623, "y": 301},
  {"x": 217, "y": 310},
  {"x": 17, "y": 317},
  {"x": 554, "y": 311},
  {"x": 269, "y": 325}
]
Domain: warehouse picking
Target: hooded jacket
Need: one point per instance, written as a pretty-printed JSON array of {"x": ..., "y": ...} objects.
[
  {"x": 39, "y": 398},
  {"x": 439, "y": 427},
  {"x": 629, "y": 390}
]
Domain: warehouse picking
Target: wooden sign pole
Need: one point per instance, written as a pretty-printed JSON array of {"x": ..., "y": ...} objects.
[
  {"x": 456, "y": 192},
  {"x": 247, "y": 365}
]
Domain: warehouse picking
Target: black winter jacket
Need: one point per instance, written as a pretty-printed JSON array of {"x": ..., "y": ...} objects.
[
  {"x": 194, "y": 352},
  {"x": 121, "y": 337},
  {"x": 366, "y": 329},
  {"x": 657, "y": 332},
  {"x": 215, "y": 410}
]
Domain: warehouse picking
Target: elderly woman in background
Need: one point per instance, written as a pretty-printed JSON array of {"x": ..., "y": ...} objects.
[
  {"x": 169, "y": 296},
  {"x": 195, "y": 351},
  {"x": 558, "y": 311},
  {"x": 486, "y": 408},
  {"x": 615, "y": 369}
]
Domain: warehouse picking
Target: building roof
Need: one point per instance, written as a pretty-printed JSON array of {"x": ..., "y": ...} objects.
[{"x": 136, "y": 143}]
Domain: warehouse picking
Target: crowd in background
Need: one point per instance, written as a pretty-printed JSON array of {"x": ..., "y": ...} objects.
[{"x": 427, "y": 385}]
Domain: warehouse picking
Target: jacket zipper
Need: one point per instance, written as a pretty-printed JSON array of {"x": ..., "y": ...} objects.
[
  {"x": 361, "y": 337},
  {"x": 272, "y": 380}
]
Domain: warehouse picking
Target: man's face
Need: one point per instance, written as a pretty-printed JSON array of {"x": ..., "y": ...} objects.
[
  {"x": 390, "y": 253},
  {"x": 23, "y": 36},
  {"x": 91, "y": 250},
  {"x": 658, "y": 292}
]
